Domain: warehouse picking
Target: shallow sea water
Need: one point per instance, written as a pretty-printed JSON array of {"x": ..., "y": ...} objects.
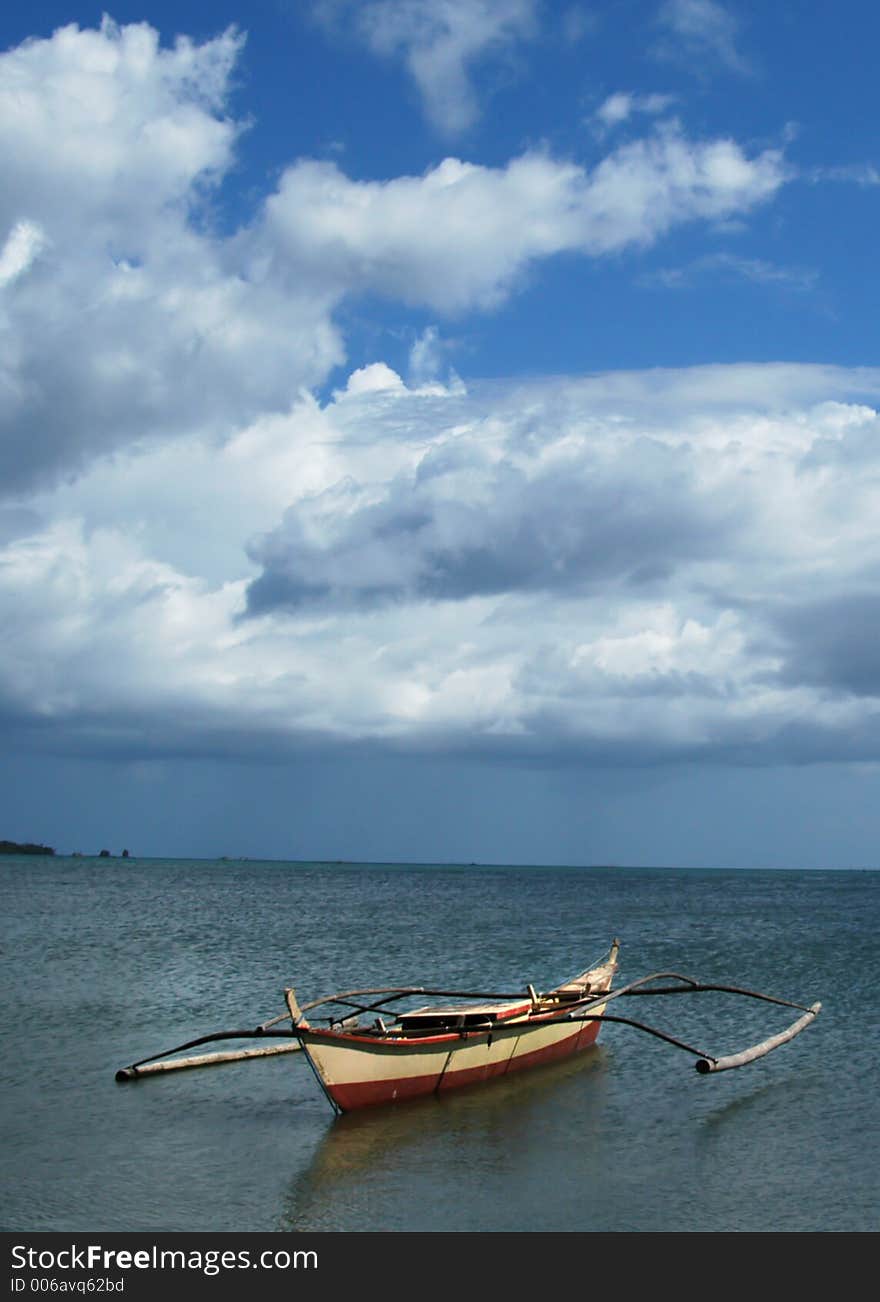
[{"x": 104, "y": 962}]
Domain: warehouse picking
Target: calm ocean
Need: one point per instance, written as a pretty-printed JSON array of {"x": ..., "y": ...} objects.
[{"x": 106, "y": 961}]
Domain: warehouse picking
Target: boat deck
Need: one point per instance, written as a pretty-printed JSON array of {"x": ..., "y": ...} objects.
[{"x": 453, "y": 1016}]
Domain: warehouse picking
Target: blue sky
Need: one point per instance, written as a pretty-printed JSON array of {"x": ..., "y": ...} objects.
[{"x": 441, "y": 431}]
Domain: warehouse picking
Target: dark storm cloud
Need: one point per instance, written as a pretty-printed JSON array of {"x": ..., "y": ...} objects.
[
  {"x": 17, "y": 522},
  {"x": 463, "y": 526},
  {"x": 834, "y": 643}
]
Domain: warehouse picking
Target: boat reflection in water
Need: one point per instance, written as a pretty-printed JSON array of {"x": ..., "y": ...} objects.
[{"x": 433, "y": 1163}]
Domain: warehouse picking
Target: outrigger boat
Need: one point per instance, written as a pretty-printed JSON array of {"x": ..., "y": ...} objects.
[{"x": 368, "y": 1052}]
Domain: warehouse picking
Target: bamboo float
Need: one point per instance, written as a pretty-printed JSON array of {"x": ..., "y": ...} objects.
[
  {"x": 151, "y": 1065},
  {"x": 204, "y": 1060},
  {"x": 706, "y": 1064}
]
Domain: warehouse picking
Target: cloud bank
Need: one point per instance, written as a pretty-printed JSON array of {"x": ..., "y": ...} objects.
[
  {"x": 199, "y": 556},
  {"x": 624, "y": 569}
]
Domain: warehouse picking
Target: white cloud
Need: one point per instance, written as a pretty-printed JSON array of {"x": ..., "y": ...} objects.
[
  {"x": 634, "y": 565},
  {"x": 23, "y": 245},
  {"x": 729, "y": 266},
  {"x": 862, "y": 174},
  {"x": 459, "y": 236},
  {"x": 127, "y": 318},
  {"x": 427, "y": 359},
  {"x": 122, "y": 318},
  {"x": 118, "y": 632},
  {"x": 701, "y": 28},
  {"x": 112, "y": 127},
  {"x": 621, "y": 106},
  {"x": 375, "y": 378},
  {"x": 439, "y": 41},
  {"x": 196, "y": 550}
]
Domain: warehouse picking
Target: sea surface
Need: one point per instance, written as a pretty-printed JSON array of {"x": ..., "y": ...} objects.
[{"x": 106, "y": 961}]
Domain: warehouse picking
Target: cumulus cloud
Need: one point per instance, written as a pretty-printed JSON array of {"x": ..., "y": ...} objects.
[
  {"x": 123, "y": 318},
  {"x": 619, "y": 482},
  {"x": 112, "y": 126},
  {"x": 460, "y": 235},
  {"x": 439, "y": 41},
  {"x": 197, "y": 554},
  {"x": 627, "y": 567},
  {"x": 128, "y": 317},
  {"x": 531, "y": 513},
  {"x": 619, "y": 568}
]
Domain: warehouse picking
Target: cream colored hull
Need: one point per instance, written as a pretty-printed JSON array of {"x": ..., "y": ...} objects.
[{"x": 360, "y": 1071}]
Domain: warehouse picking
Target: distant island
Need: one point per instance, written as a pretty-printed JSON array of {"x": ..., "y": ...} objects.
[{"x": 24, "y": 847}]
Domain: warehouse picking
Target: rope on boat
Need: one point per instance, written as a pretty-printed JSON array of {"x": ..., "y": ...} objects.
[{"x": 610, "y": 955}]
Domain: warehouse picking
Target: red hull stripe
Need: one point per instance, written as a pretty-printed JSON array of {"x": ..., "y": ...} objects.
[{"x": 370, "y": 1093}]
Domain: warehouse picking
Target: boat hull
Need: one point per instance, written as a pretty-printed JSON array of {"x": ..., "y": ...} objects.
[{"x": 361, "y": 1071}]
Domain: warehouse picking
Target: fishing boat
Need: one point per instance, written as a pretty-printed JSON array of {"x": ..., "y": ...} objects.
[
  {"x": 364, "y": 1060},
  {"x": 383, "y": 1046}
]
